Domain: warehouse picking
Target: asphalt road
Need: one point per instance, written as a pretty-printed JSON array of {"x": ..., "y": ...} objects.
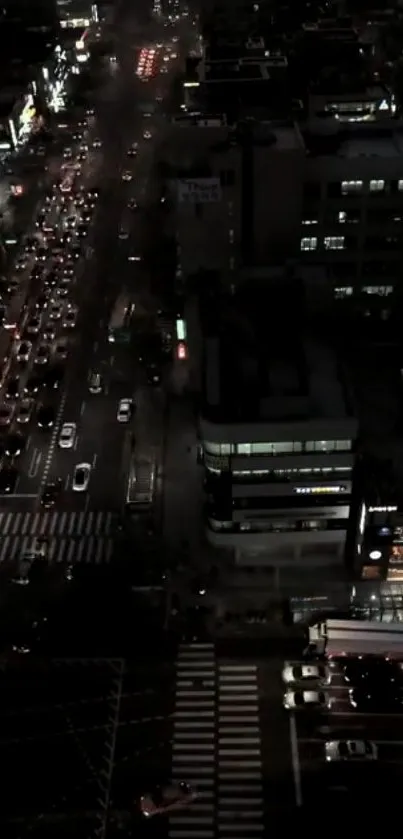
[{"x": 102, "y": 272}]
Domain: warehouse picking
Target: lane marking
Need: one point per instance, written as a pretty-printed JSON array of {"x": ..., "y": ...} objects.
[
  {"x": 82, "y": 409},
  {"x": 296, "y": 766}
]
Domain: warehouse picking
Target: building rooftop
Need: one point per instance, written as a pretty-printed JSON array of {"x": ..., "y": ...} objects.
[
  {"x": 357, "y": 140},
  {"x": 263, "y": 365}
]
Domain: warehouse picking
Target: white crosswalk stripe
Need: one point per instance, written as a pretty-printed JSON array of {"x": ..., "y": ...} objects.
[
  {"x": 71, "y": 537},
  {"x": 194, "y": 740},
  {"x": 240, "y": 810},
  {"x": 56, "y": 524}
]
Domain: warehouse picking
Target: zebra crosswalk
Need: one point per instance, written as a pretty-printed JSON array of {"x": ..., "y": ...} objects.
[
  {"x": 71, "y": 537},
  {"x": 56, "y": 524},
  {"x": 217, "y": 747}
]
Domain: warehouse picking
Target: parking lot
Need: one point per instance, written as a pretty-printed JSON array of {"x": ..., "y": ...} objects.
[{"x": 335, "y": 781}]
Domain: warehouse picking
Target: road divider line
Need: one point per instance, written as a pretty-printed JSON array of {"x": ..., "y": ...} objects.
[
  {"x": 296, "y": 766},
  {"x": 34, "y": 464},
  {"x": 82, "y": 409},
  {"x": 53, "y": 439}
]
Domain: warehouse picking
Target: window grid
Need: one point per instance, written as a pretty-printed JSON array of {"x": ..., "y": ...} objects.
[{"x": 278, "y": 448}]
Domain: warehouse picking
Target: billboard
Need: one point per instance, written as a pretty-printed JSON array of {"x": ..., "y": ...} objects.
[{"x": 199, "y": 190}]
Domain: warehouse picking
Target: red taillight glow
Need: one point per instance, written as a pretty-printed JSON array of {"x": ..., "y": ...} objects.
[{"x": 182, "y": 352}]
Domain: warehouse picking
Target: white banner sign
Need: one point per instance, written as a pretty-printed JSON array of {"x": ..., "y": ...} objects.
[{"x": 199, "y": 190}]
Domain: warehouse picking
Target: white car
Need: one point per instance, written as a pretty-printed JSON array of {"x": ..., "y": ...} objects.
[
  {"x": 147, "y": 135},
  {"x": 127, "y": 176},
  {"x": 61, "y": 349},
  {"x": 96, "y": 143},
  {"x": 125, "y": 410},
  {"x": 123, "y": 234},
  {"x": 311, "y": 700},
  {"x": 306, "y": 673},
  {"x": 81, "y": 477},
  {"x": 352, "y": 750},
  {"x": 67, "y": 435},
  {"x": 23, "y": 351}
]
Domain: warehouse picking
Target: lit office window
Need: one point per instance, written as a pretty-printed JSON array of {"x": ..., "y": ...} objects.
[
  {"x": 351, "y": 187},
  {"x": 376, "y": 186},
  {"x": 334, "y": 243},
  {"x": 309, "y": 243},
  {"x": 341, "y": 292},
  {"x": 380, "y": 290}
]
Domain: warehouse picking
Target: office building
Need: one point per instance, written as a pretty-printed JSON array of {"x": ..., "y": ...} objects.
[{"x": 277, "y": 431}]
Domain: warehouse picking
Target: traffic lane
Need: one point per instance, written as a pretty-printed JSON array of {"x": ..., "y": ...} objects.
[{"x": 275, "y": 738}]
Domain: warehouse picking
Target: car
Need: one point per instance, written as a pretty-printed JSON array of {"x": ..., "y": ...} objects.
[
  {"x": 311, "y": 700},
  {"x": 42, "y": 355},
  {"x": 350, "y": 750},
  {"x": 132, "y": 204},
  {"x": 376, "y": 699},
  {"x": 70, "y": 318},
  {"x": 42, "y": 301},
  {"x": 55, "y": 310},
  {"x": 50, "y": 493},
  {"x": 75, "y": 251},
  {"x": 41, "y": 254},
  {"x": 60, "y": 349},
  {"x": 90, "y": 112},
  {"x": 8, "y": 285},
  {"x": 77, "y": 136},
  {"x": 166, "y": 799},
  {"x": 93, "y": 192},
  {"x": 71, "y": 222},
  {"x": 123, "y": 234},
  {"x": 45, "y": 417},
  {"x": 132, "y": 152},
  {"x": 81, "y": 477},
  {"x": 153, "y": 374},
  {"x": 49, "y": 332},
  {"x": 23, "y": 351},
  {"x": 54, "y": 376},
  {"x": 125, "y": 409},
  {"x": 63, "y": 287},
  {"x": 95, "y": 384},
  {"x": 51, "y": 279},
  {"x": 32, "y": 385},
  {"x": 67, "y": 435},
  {"x": 66, "y": 238},
  {"x": 82, "y": 230},
  {"x": 147, "y": 134},
  {"x": 14, "y": 445},
  {"x": 23, "y": 411},
  {"x": 358, "y": 671},
  {"x": 96, "y": 143},
  {"x": 6, "y": 415},
  {"x": 40, "y": 219},
  {"x": 30, "y": 245},
  {"x": 21, "y": 264},
  {"x": 82, "y": 155},
  {"x": 69, "y": 269},
  {"x": 12, "y": 390},
  {"x": 8, "y": 480},
  {"x": 37, "y": 272},
  {"x": 34, "y": 325},
  {"x": 126, "y": 175},
  {"x": 306, "y": 673}
]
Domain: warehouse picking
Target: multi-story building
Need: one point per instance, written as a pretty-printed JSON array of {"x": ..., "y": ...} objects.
[
  {"x": 277, "y": 433},
  {"x": 268, "y": 193}
]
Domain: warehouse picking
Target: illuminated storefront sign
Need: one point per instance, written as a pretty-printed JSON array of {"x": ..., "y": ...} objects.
[
  {"x": 323, "y": 490},
  {"x": 75, "y": 23}
]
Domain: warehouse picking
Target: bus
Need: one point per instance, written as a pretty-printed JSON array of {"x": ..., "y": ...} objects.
[
  {"x": 336, "y": 638},
  {"x": 69, "y": 174},
  {"x": 119, "y": 329},
  {"x": 141, "y": 485}
]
